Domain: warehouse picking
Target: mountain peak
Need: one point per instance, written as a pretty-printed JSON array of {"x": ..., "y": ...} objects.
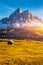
[
  {"x": 19, "y": 10},
  {"x": 27, "y": 11},
  {"x": 28, "y": 14},
  {"x": 16, "y": 12}
]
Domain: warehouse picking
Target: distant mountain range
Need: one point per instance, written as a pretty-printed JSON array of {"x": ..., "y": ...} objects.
[{"x": 22, "y": 25}]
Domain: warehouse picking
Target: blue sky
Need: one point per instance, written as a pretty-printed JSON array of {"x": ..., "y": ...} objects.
[{"x": 8, "y": 6}]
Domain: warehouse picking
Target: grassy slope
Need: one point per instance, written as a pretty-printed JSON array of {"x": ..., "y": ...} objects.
[{"x": 21, "y": 53}]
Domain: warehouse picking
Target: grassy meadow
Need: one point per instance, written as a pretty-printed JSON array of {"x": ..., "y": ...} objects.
[{"x": 21, "y": 52}]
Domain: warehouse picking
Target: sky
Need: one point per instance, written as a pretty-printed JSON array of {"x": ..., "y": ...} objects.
[{"x": 9, "y": 6}]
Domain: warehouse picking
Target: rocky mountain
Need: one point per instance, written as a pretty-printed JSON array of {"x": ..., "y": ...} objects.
[
  {"x": 20, "y": 19},
  {"x": 22, "y": 25}
]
